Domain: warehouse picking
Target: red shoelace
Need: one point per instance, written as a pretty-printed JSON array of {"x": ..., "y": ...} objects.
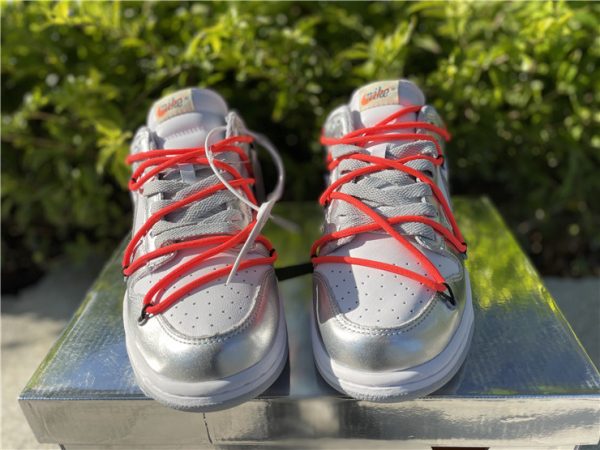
[
  {"x": 384, "y": 131},
  {"x": 151, "y": 163}
]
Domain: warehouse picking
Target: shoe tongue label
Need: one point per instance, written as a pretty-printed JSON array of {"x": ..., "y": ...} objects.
[
  {"x": 384, "y": 93},
  {"x": 180, "y": 102}
]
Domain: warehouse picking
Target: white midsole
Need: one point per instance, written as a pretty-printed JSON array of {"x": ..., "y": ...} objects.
[
  {"x": 398, "y": 382},
  {"x": 215, "y": 391}
]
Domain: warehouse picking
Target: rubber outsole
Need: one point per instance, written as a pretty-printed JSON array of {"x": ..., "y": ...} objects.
[
  {"x": 401, "y": 385},
  {"x": 232, "y": 390}
]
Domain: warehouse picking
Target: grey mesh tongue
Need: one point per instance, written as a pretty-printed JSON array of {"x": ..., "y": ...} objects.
[
  {"x": 182, "y": 120},
  {"x": 391, "y": 192},
  {"x": 374, "y": 102}
]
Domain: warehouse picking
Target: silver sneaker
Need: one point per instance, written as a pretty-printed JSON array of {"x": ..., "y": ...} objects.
[
  {"x": 393, "y": 317},
  {"x": 204, "y": 325}
]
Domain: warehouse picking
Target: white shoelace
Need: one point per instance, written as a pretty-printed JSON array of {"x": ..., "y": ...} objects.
[{"x": 264, "y": 210}]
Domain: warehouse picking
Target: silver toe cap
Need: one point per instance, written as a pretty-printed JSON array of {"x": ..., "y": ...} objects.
[
  {"x": 176, "y": 356},
  {"x": 371, "y": 348}
]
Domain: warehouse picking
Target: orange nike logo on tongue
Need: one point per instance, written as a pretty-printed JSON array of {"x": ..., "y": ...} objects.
[
  {"x": 161, "y": 111},
  {"x": 178, "y": 103},
  {"x": 382, "y": 93}
]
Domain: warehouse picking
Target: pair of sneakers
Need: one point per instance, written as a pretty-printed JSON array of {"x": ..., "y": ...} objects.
[{"x": 204, "y": 323}]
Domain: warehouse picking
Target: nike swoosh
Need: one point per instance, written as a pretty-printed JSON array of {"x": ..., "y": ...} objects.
[{"x": 161, "y": 112}]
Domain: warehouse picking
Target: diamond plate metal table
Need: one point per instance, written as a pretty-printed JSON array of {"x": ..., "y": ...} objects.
[{"x": 527, "y": 381}]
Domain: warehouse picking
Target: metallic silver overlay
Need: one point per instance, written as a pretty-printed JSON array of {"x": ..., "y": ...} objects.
[
  {"x": 184, "y": 359},
  {"x": 381, "y": 349}
]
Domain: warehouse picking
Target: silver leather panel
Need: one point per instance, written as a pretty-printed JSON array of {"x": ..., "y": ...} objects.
[
  {"x": 191, "y": 359},
  {"x": 379, "y": 349}
]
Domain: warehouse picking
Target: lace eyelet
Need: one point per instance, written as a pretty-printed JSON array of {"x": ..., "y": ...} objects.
[
  {"x": 144, "y": 316},
  {"x": 449, "y": 298}
]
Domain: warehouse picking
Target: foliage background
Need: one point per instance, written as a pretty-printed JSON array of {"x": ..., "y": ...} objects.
[{"x": 517, "y": 84}]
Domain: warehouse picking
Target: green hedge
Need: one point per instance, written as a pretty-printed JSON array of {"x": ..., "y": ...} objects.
[{"x": 517, "y": 84}]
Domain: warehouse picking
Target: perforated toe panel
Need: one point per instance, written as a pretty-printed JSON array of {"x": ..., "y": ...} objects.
[
  {"x": 376, "y": 298},
  {"x": 214, "y": 308}
]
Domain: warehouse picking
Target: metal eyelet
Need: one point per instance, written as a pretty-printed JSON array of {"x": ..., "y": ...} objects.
[
  {"x": 144, "y": 316},
  {"x": 449, "y": 298}
]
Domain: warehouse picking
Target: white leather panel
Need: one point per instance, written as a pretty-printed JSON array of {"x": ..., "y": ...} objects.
[
  {"x": 213, "y": 308},
  {"x": 377, "y": 298}
]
